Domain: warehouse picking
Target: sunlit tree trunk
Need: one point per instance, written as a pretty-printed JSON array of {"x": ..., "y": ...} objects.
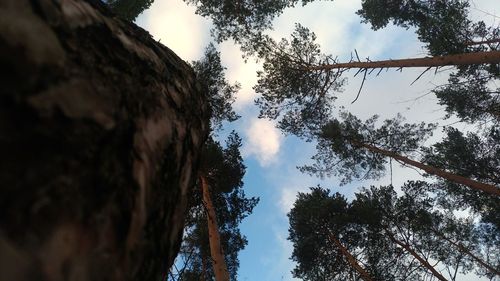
[
  {"x": 458, "y": 59},
  {"x": 488, "y": 188},
  {"x": 219, "y": 264},
  {"x": 350, "y": 259}
]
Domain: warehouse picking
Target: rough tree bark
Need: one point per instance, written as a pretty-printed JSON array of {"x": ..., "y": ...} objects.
[{"x": 100, "y": 132}]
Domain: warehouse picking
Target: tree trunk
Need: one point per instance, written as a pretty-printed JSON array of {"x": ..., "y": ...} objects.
[
  {"x": 488, "y": 188},
  {"x": 100, "y": 133},
  {"x": 489, "y": 41},
  {"x": 219, "y": 264},
  {"x": 351, "y": 260},
  {"x": 459, "y": 59},
  {"x": 466, "y": 251},
  {"x": 422, "y": 261}
]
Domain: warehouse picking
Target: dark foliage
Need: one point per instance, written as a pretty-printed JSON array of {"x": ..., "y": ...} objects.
[
  {"x": 471, "y": 156},
  {"x": 221, "y": 94},
  {"x": 369, "y": 227},
  {"x": 239, "y": 20},
  {"x": 443, "y": 24},
  {"x": 339, "y": 150},
  {"x": 302, "y": 100},
  {"x": 129, "y": 9},
  {"x": 224, "y": 170},
  {"x": 314, "y": 217}
]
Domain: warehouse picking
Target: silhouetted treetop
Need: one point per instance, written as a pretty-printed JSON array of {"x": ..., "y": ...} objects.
[
  {"x": 239, "y": 19},
  {"x": 442, "y": 24},
  {"x": 129, "y": 9},
  {"x": 221, "y": 94}
]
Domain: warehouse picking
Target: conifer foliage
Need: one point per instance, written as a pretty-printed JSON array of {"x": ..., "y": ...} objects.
[
  {"x": 222, "y": 170},
  {"x": 129, "y": 9},
  {"x": 382, "y": 236},
  {"x": 212, "y": 239}
]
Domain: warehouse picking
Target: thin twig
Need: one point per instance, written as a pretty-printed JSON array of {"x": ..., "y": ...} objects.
[
  {"x": 420, "y": 75},
  {"x": 361, "y": 87}
]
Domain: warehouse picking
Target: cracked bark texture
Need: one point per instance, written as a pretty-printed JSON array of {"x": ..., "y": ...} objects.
[{"x": 100, "y": 132}]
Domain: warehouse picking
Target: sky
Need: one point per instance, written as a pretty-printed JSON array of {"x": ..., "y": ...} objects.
[{"x": 271, "y": 157}]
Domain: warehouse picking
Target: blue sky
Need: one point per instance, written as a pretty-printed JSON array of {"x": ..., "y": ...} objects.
[{"x": 270, "y": 157}]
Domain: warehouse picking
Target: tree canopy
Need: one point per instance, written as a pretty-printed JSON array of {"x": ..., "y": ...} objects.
[
  {"x": 224, "y": 170},
  {"x": 391, "y": 237},
  {"x": 472, "y": 156},
  {"x": 218, "y": 202},
  {"x": 443, "y": 24},
  {"x": 383, "y": 233},
  {"x": 340, "y": 151}
]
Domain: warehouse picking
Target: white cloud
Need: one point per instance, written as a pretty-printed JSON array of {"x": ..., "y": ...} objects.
[
  {"x": 243, "y": 73},
  {"x": 177, "y": 26},
  {"x": 263, "y": 141}
]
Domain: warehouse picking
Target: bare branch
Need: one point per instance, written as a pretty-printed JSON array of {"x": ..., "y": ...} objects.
[{"x": 361, "y": 87}]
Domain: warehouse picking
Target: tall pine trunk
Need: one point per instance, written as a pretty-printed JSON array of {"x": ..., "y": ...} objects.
[
  {"x": 218, "y": 262},
  {"x": 466, "y": 251},
  {"x": 488, "y": 188},
  {"x": 422, "y": 261},
  {"x": 458, "y": 59},
  {"x": 101, "y": 129},
  {"x": 350, "y": 259}
]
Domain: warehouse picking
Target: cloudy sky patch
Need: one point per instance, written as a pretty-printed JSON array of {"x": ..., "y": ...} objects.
[
  {"x": 263, "y": 141},
  {"x": 175, "y": 24}
]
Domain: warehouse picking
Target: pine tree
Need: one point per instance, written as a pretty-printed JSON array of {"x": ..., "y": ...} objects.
[
  {"x": 321, "y": 241},
  {"x": 356, "y": 149},
  {"x": 221, "y": 93},
  {"x": 241, "y": 20},
  {"x": 218, "y": 206},
  {"x": 383, "y": 236},
  {"x": 298, "y": 83},
  {"x": 436, "y": 223},
  {"x": 218, "y": 201},
  {"x": 473, "y": 156},
  {"x": 442, "y": 24}
]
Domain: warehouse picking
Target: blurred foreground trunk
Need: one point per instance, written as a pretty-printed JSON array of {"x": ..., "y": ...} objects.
[{"x": 100, "y": 132}]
